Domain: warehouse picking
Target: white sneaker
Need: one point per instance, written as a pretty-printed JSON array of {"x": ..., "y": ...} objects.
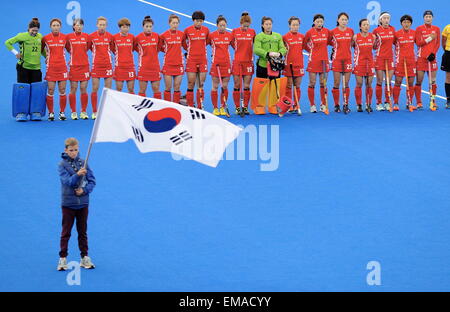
[
  {"x": 313, "y": 109},
  {"x": 387, "y": 106},
  {"x": 94, "y": 116},
  {"x": 62, "y": 116},
  {"x": 74, "y": 116},
  {"x": 87, "y": 263},
  {"x": 84, "y": 116},
  {"x": 51, "y": 116},
  {"x": 323, "y": 108},
  {"x": 62, "y": 264},
  {"x": 380, "y": 107}
]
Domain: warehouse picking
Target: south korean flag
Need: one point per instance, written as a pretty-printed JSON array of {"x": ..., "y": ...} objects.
[{"x": 161, "y": 126}]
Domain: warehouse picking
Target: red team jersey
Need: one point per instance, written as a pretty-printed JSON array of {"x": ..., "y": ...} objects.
[
  {"x": 171, "y": 45},
  {"x": 425, "y": 49},
  {"x": 123, "y": 51},
  {"x": 404, "y": 49},
  {"x": 242, "y": 44},
  {"x": 384, "y": 39},
  {"x": 294, "y": 45},
  {"x": 148, "y": 47},
  {"x": 78, "y": 45},
  {"x": 101, "y": 47},
  {"x": 341, "y": 54},
  {"x": 220, "y": 45},
  {"x": 194, "y": 43},
  {"x": 316, "y": 43},
  {"x": 363, "y": 57},
  {"x": 56, "y": 58}
]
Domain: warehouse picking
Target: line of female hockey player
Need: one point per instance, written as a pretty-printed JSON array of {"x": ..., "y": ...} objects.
[{"x": 384, "y": 53}]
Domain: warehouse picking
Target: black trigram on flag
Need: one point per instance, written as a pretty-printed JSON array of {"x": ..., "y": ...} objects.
[
  {"x": 181, "y": 138},
  {"x": 197, "y": 115},
  {"x": 138, "y": 134},
  {"x": 144, "y": 104}
]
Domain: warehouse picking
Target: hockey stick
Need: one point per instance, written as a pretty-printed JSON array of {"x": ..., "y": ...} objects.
[
  {"x": 299, "y": 111},
  {"x": 325, "y": 89},
  {"x": 223, "y": 91},
  {"x": 200, "y": 89},
  {"x": 408, "y": 97},
  {"x": 241, "y": 92},
  {"x": 344, "y": 87},
  {"x": 430, "y": 83},
  {"x": 367, "y": 86},
  {"x": 388, "y": 86}
]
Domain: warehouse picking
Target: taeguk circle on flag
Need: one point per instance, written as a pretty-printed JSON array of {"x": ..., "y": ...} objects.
[{"x": 163, "y": 120}]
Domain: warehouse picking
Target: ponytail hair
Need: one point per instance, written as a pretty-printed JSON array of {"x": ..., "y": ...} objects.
[
  {"x": 317, "y": 16},
  {"x": 146, "y": 20},
  {"x": 381, "y": 15},
  {"x": 265, "y": 18},
  {"x": 55, "y": 20},
  {"x": 173, "y": 16},
  {"x": 361, "y": 21},
  {"x": 220, "y": 18},
  {"x": 34, "y": 23},
  {"x": 293, "y": 18},
  {"x": 339, "y": 16},
  {"x": 245, "y": 18},
  {"x": 77, "y": 20}
]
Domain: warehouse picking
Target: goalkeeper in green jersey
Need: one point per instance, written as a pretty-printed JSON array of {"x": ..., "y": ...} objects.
[{"x": 29, "y": 92}]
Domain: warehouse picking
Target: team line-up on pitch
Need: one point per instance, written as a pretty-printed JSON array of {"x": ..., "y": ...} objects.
[{"x": 381, "y": 53}]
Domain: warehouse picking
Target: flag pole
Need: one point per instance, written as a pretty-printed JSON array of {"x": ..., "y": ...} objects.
[{"x": 96, "y": 123}]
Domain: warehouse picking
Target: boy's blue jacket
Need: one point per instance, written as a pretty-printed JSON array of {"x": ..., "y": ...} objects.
[{"x": 70, "y": 181}]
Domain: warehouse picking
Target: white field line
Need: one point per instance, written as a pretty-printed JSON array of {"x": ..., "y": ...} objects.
[{"x": 213, "y": 24}]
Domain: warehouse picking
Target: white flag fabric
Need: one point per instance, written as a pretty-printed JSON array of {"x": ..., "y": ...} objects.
[{"x": 160, "y": 126}]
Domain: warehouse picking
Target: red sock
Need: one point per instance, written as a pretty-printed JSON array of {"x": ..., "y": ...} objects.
[
  {"x": 299, "y": 92},
  {"x": 214, "y": 98},
  {"x": 396, "y": 94},
  {"x": 72, "y": 102},
  {"x": 434, "y": 88},
  {"x": 176, "y": 96},
  {"x": 190, "y": 98},
  {"x": 379, "y": 94},
  {"x": 311, "y": 95},
  {"x": 358, "y": 95},
  {"x": 247, "y": 95},
  {"x": 224, "y": 97},
  {"x": 94, "y": 99},
  {"x": 62, "y": 102},
  {"x": 84, "y": 101},
  {"x": 386, "y": 95},
  {"x": 347, "y": 95},
  {"x": 142, "y": 94},
  {"x": 322, "y": 95},
  {"x": 369, "y": 94},
  {"x": 157, "y": 95},
  {"x": 336, "y": 96},
  {"x": 418, "y": 92},
  {"x": 168, "y": 96},
  {"x": 50, "y": 105},
  {"x": 236, "y": 98}
]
